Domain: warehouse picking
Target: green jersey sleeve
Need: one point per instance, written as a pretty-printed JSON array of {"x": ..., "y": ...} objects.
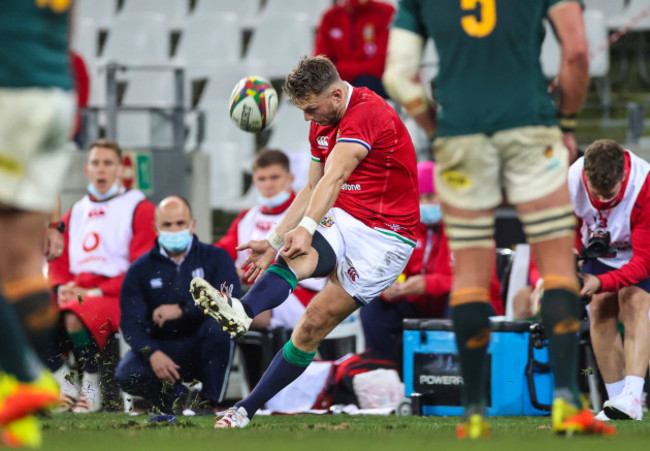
[{"x": 407, "y": 17}]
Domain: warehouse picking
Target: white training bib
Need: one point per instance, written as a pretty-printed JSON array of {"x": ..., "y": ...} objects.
[
  {"x": 100, "y": 234},
  {"x": 618, "y": 219}
]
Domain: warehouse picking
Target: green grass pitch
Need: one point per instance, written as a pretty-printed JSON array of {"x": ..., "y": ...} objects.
[{"x": 120, "y": 432}]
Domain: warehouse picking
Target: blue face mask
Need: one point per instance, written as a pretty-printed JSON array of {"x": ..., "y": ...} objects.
[
  {"x": 175, "y": 241},
  {"x": 430, "y": 214},
  {"x": 112, "y": 191},
  {"x": 275, "y": 201}
]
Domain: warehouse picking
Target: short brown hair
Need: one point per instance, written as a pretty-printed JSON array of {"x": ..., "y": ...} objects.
[
  {"x": 312, "y": 75},
  {"x": 108, "y": 144},
  {"x": 604, "y": 164},
  {"x": 269, "y": 157}
]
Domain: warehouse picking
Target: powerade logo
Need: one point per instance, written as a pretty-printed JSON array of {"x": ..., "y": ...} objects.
[{"x": 437, "y": 379}]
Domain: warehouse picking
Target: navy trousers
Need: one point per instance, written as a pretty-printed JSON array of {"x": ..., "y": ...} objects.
[{"x": 205, "y": 356}]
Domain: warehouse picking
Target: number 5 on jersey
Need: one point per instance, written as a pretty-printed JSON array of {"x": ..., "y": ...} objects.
[
  {"x": 487, "y": 17},
  {"x": 58, "y": 6}
]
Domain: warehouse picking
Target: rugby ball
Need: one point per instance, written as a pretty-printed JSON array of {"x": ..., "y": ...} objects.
[{"x": 253, "y": 104}]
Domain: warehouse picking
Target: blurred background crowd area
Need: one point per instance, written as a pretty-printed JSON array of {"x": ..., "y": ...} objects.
[{"x": 160, "y": 74}]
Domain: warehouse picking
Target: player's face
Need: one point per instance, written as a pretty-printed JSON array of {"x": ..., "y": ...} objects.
[
  {"x": 323, "y": 109},
  {"x": 271, "y": 180},
  {"x": 103, "y": 168}
]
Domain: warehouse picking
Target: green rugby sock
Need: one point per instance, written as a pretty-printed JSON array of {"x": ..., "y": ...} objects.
[
  {"x": 16, "y": 355},
  {"x": 561, "y": 319},
  {"x": 472, "y": 327}
]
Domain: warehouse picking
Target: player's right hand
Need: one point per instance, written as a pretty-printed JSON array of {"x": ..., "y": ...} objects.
[
  {"x": 164, "y": 366},
  {"x": 261, "y": 257}
]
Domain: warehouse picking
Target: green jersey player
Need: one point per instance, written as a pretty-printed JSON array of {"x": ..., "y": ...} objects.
[{"x": 497, "y": 131}]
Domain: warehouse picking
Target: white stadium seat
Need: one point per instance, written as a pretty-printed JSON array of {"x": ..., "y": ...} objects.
[
  {"x": 596, "y": 32},
  {"x": 279, "y": 40},
  {"x": 174, "y": 11},
  {"x": 137, "y": 39},
  {"x": 246, "y": 10},
  {"x": 633, "y": 10},
  {"x": 289, "y": 130},
  {"x": 314, "y": 8},
  {"x": 85, "y": 39},
  {"x": 209, "y": 40},
  {"x": 100, "y": 11},
  {"x": 607, "y": 7}
]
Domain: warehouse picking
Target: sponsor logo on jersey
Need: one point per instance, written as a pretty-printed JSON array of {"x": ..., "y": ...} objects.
[
  {"x": 351, "y": 187},
  {"x": 323, "y": 142},
  {"x": 353, "y": 274},
  {"x": 264, "y": 226},
  {"x": 394, "y": 227},
  {"x": 96, "y": 212},
  {"x": 437, "y": 379},
  {"x": 90, "y": 242},
  {"x": 198, "y": 272},
  {"x": 327, "y": 222},
  {"x": 156, "y": 283},
  {"x": 455, "y": 179},
  {"x": 548, "y": 152}
]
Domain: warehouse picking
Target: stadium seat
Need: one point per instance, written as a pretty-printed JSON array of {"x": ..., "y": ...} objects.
[
  {"x": 227, "y": 163},
  {"x": 246, "y": 10},
  {"x": 175, "y": 11},
  {"x": 314, "y": 8},
  {"x": 596, "y": 33},
  {"x": 137, "y": 39},
  {"x": 100, "y": 11},
  {"x": 146, "y": 128},
  {"x": 289, "y": 130},
  {"x": 209, "y": 41},
  {"x": 279, "y": 40},
  {"x": 607, "y": 7},
  {"x": 85, "y": 39},
  {"x": 633, "y": 9}
]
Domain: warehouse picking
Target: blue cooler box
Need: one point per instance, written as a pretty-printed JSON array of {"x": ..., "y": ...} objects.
[{"x": 520, "y": 380}]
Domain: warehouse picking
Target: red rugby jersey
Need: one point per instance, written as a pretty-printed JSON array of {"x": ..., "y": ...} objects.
[{"x": 382, "y": 191}]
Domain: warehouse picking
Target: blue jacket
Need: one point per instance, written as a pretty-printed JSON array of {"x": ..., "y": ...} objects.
[{"x": 155, "y": 279}]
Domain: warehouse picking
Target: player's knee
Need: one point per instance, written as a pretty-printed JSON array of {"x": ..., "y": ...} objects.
[
  {"x": 465, "y": 233},
  {"x": 548, "y": 224}
]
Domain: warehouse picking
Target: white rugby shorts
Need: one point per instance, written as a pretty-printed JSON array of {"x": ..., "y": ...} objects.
[
  {"x": 369, "y": 260},
  {"x": 35, "y": 127}
]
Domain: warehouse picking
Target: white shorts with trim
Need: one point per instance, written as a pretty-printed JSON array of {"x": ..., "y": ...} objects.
[
  {"x": 527, "y": 162},
  {"x": 368, "y": 260},
  {"x": 35, "y": 127}
]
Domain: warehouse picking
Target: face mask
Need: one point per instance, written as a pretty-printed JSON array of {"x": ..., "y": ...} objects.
[
  {"x": 112, "y": 191},
  {"x": 275, "y": 201},
  {"x": 430, "y": 214},
  {"x": 175, "y": 241}
]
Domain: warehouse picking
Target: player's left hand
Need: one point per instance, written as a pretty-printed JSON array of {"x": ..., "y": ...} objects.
[
  {"x": 53, "y": 244},
  {"x": 166, "y": 312},
  {"x": 297, "y": 242},
  {"x": 591, "y": 285}
]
